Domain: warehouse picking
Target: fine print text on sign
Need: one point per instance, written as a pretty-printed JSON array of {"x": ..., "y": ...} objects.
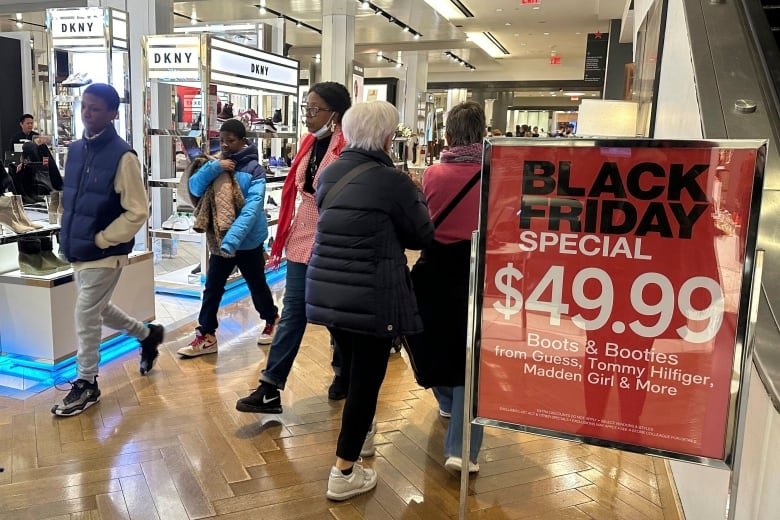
[{"x": 611, "y": 291}]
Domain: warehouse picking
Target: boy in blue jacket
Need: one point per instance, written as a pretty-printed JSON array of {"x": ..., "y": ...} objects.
[{"x": 242, "y": 245}]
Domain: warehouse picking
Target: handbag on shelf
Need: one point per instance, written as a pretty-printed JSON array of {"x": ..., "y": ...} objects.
[{"x": 428, "y": 358}]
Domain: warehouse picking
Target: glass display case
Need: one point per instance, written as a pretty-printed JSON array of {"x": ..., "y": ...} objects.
[{"x": 206, "y": 80}]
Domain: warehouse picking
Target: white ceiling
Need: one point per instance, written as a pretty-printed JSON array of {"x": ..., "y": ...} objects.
[{"x": 519, "y": 28}]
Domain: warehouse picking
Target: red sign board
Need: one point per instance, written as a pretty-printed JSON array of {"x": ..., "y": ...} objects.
[
  {"x": 610, "y": 303},
  {"x": 529, "y": 2},
  {"x": 555, "y": 60}
]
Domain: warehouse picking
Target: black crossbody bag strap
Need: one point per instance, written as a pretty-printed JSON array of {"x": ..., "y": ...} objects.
[
  {"x": 346, "y": 179},
  {"x": 454, "y": 202}
]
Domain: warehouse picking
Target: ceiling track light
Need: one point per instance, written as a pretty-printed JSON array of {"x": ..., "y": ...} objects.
[
  {"x": 298, "y": 23},
  {"x": 390, "y": 18},
  {"x": 460, "y": 60},
  {"x": 380, "y": 56},
  {"x": 450, "y": 9}
]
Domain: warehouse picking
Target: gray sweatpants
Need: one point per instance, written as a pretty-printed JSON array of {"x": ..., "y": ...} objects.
[{"x": 93, "y": 308}]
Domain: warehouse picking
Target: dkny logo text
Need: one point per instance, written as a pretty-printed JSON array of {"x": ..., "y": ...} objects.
[
  {"x": 260, "y": 70},
  {"x": 173, "y": 57},
  {"x": 77, "y": 27}
]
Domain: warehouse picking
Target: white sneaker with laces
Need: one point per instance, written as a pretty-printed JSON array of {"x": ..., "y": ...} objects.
[
  {"x": 342, "y": 487},
  {"x": 368, "y": 449},
  {"x": 201, "y": 345},
  {"x": 456, "y": 463}
]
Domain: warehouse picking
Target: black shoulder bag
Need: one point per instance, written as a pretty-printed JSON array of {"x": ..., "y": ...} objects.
[{"x": 425, "y": 358}]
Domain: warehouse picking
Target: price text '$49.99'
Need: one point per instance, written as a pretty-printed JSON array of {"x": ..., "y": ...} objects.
[{"x": 664, "y": 309}]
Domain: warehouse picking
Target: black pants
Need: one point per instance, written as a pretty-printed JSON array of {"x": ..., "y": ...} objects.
[
  {"x": 364, "y": 358},
  {"x": 252, "y": 266}
]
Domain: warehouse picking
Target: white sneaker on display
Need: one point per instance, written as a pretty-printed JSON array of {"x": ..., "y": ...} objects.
[
  {"x": 181, "y": 223},
  {"x": 342, "y": 487}
]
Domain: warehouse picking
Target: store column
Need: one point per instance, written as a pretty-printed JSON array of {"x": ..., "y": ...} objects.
[
  {"x": 416, "y": 85},
  {"x": 338, "y": 40}
]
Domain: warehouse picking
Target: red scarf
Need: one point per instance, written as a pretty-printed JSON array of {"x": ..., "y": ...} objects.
[{"x": 289, "y": 194}]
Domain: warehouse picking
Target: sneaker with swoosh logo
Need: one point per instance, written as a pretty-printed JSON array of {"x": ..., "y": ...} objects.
[{"x": 265, "y": 399}]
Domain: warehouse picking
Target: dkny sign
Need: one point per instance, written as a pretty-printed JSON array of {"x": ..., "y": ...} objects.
[
  {"x": 76, "y": 23},
  {"x": 173, "y": 58},
  {"x": 166, "y": 57}
]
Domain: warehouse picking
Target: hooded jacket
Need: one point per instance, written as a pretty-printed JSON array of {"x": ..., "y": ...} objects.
[{"x": 250, "y": 228}]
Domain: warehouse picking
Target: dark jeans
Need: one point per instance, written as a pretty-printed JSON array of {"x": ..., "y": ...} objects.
[
  {"x": 365, "y": 359},
  {"x": 289, "y": 332},
  {"x": 252, "y": 266}
]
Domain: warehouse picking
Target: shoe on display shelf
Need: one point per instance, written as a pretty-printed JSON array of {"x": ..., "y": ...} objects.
[
  {"x": 177, "y": 222},
  {"x": 226, "y": 113},
  {"x": 268, "y": 126},
  {"x": 77, "y": 79},
  {"x": 264, "y": 399}
]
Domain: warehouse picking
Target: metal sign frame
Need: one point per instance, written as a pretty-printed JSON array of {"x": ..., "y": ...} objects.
[{"x": 745, "y": 315}]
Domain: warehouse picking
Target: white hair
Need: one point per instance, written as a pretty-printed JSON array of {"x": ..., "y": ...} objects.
[{"x": 369, "y": 125}]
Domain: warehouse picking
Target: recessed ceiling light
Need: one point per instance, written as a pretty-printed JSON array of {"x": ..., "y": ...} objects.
[
  {"x": 517, "y": 34},
  {"x": 507, "y": 24},
  {"x": 547, "y": 34},
  {"x": 573, "y": 94},
  {"x": 536, "y": 8},
  {"x": 499, "y": 10},
  {"x": 578, "y": 33}
]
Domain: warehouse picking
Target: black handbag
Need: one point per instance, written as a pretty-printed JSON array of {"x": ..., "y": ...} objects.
[{"x": 429, "y": 359}]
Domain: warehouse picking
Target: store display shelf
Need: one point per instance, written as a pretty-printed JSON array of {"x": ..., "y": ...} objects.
[
  {"x": 60, "y": 277},
  {"x": 49, "y": 280},
  {"x": 249, "y": 134},
  {"x": 11, "y": 237},
  {"x": 163, "y": 183},
  {"x": 187, "y": 236}
]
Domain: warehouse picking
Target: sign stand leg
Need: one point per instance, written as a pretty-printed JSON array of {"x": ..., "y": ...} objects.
[
  {"x": 747, "y": 367},
  {"x": 469, "y": 383}
]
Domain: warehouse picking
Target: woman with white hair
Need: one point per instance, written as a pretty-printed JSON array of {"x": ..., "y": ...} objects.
[{"x": 357, "y": 283}]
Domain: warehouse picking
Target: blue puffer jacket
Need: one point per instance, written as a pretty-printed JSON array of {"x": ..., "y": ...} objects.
[{"x": 250, "y": 229}]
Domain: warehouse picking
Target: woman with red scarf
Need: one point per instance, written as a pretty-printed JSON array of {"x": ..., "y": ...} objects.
[{"x": 325, "y": 105}]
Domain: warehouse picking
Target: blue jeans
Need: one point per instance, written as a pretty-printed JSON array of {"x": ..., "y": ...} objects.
[{"x": 453, "y": 440}]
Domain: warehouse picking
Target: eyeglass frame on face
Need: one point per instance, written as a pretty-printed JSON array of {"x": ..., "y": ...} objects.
[{"x": 312, "y": 111}]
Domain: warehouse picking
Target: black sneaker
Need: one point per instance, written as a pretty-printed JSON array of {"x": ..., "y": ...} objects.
[
  {"x": 82, "y": 395},
  {"x": 338, "y": 388},
  {"x": 265, "y": 399},
  {"x": 149, "y": 347}
]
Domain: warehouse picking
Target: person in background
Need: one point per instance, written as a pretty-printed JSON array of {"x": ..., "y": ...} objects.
[
  {"x": 242, "y": 243},
  {"x": 535, "y": 132},
  {"x": 325, "y": 106},
  {"x": 445, "y": 317},
  {"x": 104, "y": 205},
  {"x": 358, "y": 283},
  {"x": 497, "y": 132},
  {"x": 508, "y": 134},
  {"x": 26, "y": 132}
]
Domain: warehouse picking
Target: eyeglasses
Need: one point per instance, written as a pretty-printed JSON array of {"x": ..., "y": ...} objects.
[{"x": 312, "y": 111}]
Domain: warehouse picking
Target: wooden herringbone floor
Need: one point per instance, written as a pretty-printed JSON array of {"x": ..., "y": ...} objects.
[{"x": 171, "y": 446}]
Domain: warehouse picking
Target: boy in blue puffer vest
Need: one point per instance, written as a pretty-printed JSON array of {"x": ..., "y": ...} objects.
[
  {"x": 242, "y": 245},
  {"x": 104, "y": 205}
]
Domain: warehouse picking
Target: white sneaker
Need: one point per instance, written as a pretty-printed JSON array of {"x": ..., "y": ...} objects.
[
  {"x": 456, "y": 463},
  {"x": 342, "y": 487},
  {"x": 444, "y": 414},
  {"x": 368, "y": 449},
  {"x": 201, "y": 345}
]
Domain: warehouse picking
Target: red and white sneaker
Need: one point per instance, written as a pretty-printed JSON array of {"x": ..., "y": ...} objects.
[
  {"x": 267, "y": 336},
  {"x": 202, "y": 344}
]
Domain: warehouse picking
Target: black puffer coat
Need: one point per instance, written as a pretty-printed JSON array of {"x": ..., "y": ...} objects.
[{"x": 357, "y": 278}]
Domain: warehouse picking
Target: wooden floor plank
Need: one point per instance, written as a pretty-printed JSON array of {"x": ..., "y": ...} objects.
[{"x": 171, "y": 446}]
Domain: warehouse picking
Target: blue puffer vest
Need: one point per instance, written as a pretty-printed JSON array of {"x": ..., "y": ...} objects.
[{"x": 89, "y": 201}]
